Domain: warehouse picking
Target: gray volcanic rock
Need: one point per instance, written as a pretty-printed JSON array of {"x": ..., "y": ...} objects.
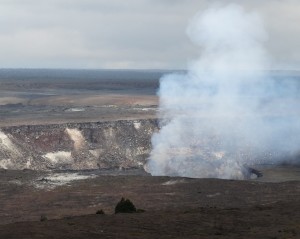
[{"x": 77, "y": 146}]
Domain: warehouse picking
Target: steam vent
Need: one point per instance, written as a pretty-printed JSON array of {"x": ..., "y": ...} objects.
[{"x": 77, "y": 146}]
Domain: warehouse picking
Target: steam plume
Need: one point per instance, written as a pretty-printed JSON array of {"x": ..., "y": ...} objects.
[{"x": 223, "y": 113}]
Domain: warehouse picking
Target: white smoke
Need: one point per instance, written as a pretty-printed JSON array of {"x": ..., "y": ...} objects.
[{"x": 223, "y": 113}]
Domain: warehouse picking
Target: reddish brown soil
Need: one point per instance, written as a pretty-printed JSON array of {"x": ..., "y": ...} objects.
[
  {"x": 175, "y": 208},
  {"x": 275, "y": 221}
]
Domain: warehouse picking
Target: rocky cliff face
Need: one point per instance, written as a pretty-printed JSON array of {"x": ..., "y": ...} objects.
[{"x": 78, "y": 146}]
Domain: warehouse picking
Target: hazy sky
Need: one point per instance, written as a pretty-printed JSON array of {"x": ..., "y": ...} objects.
[{"x": 127, "y": 34}]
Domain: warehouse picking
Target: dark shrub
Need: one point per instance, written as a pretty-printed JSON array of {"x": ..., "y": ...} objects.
[
  {"x": 43, "y": 218},
  {"x": 125, "y": 206},
  {"x": 100, "y": 212}
]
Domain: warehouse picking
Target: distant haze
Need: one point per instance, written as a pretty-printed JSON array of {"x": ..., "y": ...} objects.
[{"x": 132, "y": 34}]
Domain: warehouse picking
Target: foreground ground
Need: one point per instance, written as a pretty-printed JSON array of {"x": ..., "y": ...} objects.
[
  {"x": 174, "y": 207},
  {"x": 271, "y": 221}
]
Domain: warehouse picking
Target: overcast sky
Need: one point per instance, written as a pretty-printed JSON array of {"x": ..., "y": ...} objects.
[{"x": 143, "y": 34}]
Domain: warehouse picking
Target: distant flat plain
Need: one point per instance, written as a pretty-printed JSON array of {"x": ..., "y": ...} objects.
[{"x": 59, "y": 96}]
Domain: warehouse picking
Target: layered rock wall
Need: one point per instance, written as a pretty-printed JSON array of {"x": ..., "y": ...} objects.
[{"x": 77, "y": 146}]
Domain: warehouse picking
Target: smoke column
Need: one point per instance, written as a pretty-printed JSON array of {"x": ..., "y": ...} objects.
[{"x": 226, "y": 111}]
